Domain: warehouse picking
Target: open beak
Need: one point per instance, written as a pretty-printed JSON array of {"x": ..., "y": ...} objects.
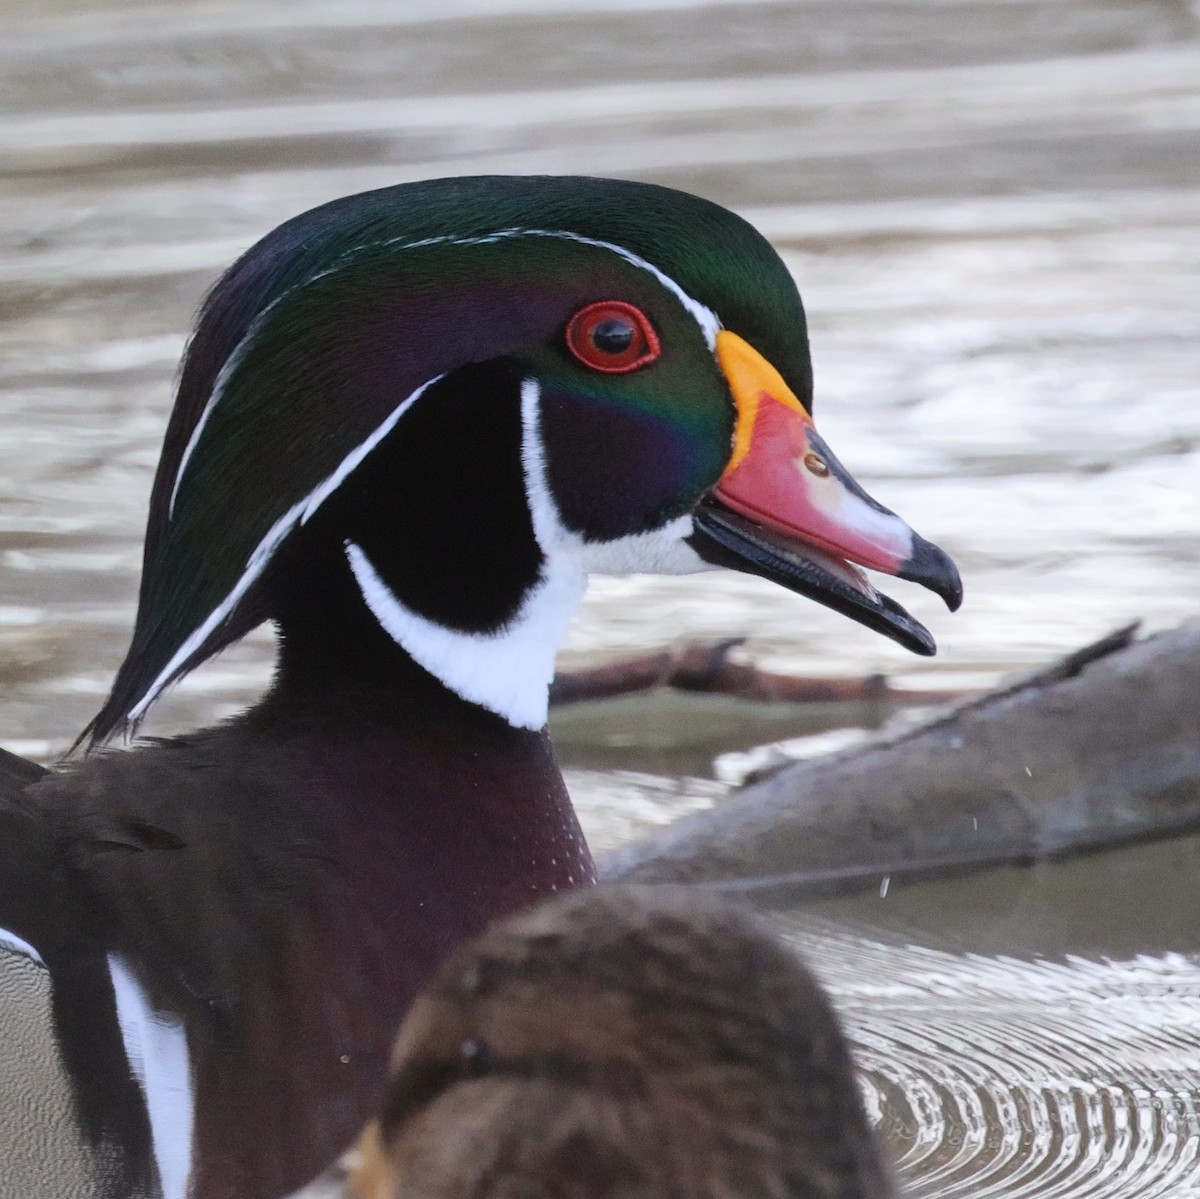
[{"x": 785, "y": 508}]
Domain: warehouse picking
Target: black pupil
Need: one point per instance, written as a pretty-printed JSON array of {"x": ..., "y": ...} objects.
[{"x": 613, "y": 335}]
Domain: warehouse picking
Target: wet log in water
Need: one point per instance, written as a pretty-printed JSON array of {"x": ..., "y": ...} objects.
[{"x": 1101, "y": 748}]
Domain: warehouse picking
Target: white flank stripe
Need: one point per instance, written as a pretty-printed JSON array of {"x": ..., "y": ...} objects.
[
  {"x": 11, "y": 941},
  {"x": 509, "y": 671},
  {"x": 157, "y": 1050},
  {"x": 257, "y": 562}
]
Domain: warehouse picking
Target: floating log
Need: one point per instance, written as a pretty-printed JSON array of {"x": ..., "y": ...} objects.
[{"x": 1101, "y": 748}]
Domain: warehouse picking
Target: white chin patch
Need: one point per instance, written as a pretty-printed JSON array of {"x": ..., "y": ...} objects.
[{"x": 657, "y": 552}]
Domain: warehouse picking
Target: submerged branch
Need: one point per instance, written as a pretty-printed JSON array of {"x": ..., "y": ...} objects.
[{"x": 706, "y": 668}]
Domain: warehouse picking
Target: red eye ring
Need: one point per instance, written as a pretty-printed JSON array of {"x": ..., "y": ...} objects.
[{"x": 613, "y": 337}]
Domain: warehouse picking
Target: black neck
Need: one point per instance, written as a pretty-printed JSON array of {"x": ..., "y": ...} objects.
[{"x": 442, "y": 514}]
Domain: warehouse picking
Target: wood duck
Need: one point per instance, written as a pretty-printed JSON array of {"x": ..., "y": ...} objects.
[
  {"x": 646, "y": 1043},
  {"x": 409, "y": 423}
]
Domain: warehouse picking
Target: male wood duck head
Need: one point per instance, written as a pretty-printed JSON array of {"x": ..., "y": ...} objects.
[
  {"x": 445, "y": 403},
  {"x": 647, "y": 1043},
  {"x": 408, "y": 424}
]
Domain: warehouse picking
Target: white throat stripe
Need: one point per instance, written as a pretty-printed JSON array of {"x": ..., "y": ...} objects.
[{"x": 508, "y": 671}]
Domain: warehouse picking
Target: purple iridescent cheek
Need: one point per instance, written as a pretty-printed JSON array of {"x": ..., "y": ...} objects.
[{"x": 616, "y": 469}]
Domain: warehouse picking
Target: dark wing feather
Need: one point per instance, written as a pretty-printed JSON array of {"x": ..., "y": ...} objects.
[
  {"x": 104, "y": 1148},
  {"x": 15, "y": 775}
]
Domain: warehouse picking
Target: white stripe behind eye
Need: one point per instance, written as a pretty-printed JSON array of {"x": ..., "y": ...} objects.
[
  {"x": 704, "y": 316},
  {"x": 710, "y": 324},
  {"x": 156, "y": 1047}
]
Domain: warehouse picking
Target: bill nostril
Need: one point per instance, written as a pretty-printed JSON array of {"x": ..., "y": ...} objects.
[{"x": 816, "y": 465}]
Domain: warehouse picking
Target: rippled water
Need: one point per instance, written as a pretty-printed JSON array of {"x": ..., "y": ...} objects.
[
  {"x": 993, "y": 211},
  {"x": 992, "y": 1076},
  {"x": 1033, "y": 1033}
]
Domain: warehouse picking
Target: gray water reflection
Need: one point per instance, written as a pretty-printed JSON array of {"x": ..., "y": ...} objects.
[{"x": 993, "y": 210}]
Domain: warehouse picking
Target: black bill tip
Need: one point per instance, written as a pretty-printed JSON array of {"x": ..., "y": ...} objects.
[{"x": 933, "y": 568}]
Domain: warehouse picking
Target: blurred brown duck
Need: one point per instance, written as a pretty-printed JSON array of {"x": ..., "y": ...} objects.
[{"x": 627, "y": 1042}]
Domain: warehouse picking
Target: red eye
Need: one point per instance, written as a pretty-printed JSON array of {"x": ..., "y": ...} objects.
[{"x": 612, "y": 337}]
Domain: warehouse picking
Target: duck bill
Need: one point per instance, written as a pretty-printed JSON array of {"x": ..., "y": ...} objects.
[{"x": 786, "y": 509}]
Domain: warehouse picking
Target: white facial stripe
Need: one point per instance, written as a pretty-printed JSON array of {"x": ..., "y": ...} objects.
[
  {"x": 547, "y": 524},
  {"x": 10, "y": 940},
  {"x": 657, "y": 551},
  {"x": 156, "y": 1047},
  {"x": 708, "y": 321},
  {"x": 509, "y": 671},
  {"x": 297, "y": 514},
  {"x": 356, "y": 456}
]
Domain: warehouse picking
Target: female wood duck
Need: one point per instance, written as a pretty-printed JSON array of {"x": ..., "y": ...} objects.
[
  {"x": 648, "y": 1043},
  {"x": 409, "y": 424}
]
